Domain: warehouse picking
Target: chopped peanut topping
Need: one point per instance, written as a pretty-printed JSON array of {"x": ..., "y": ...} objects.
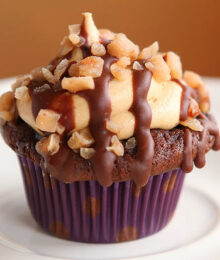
[
  {"x": 137, "y": 66},
  {"x": 80, "y": 139},
  {"x": 118, "y": 72},
  {"x": 37, "y": 74},
  {"x": 22, "y": 93},
  {"x": 116, "y": 146},
  {"x": 74, "y": 28},
  {"x": 159, "y": 68},
  {"x": 131, "y": 143},
  {"x": 106, "y": 34},
  {"x": 174, "y": 63},
  {"x": 21, "y": 81},
  {"x": 74, "y": 38},
  {"x": 7, "y": 107},
  {"x": 47, "y": 120},
  {"x": 149, "y": 52},
  {"x": 61, "y": 68},
  {"x": 193, "y": 124},
  {"x": 49, "y": 76},
  {"x": 60, "y": 129},
  {"x": 193, "y": 110},
  {"x": 77, "y": 54},
  {"x": 91, "y": 66},
  {"x": 87, "y": 153},
  {"x": 75, "y": 84},
  {"x": 98, "y": 49},
  {"x": 66, "y": 47},
  {"x": 124, "y": 62},
  {"x": 121, "y": 46},
  {"x": 195, "y": 81},
  {"x": 6, "y": 101},
  {"x": 90, "y": 28},
  {"x": 113, "y": 127},
  {"x": 74, "y": 70},
  {"x": 48, "y": 145}
]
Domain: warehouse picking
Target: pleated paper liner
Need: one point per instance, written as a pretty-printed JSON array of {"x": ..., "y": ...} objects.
[{"x": 87, "y": 212}]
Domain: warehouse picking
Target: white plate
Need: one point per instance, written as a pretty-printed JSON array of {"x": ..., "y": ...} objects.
[{"x": 194, "y": 232}]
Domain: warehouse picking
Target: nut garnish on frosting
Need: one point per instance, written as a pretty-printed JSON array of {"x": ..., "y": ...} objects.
[{"x": 102, "y": 89}]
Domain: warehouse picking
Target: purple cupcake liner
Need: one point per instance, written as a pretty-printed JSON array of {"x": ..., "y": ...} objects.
[{"x": 87, "y": 212}]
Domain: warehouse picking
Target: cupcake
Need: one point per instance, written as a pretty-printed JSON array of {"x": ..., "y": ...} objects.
[{"x": 105, "y": 134}]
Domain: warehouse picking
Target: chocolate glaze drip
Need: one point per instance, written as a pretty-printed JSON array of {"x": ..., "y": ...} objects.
[
  {"x": 60, "y": 101},
  {"x": 187, "y": 93},
  {"x": 187, "y": 163},
  {"x": 84, "y": 34},
  {"x": 100, "y": 111},
  {"x": 141, "y": 167},
  {"x": 210, "y": 127}
]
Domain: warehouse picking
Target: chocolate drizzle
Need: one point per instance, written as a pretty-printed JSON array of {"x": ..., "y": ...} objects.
[
  {"x": 210, "y": 127},
  {"x": 187, "y": 93},
  {"x": 60, "y": 101},
  {"x": 84, "y": 34},
  {"x": 100, "y": 111},
  {"x": 141, "y": 167},
  {"x": 187, "y": 162}
]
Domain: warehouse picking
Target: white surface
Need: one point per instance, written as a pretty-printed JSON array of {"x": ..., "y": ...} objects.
[{"x": 194, "y": 232}]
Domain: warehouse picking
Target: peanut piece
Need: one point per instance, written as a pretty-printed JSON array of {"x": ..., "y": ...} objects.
[{"x": 75, "y": 84}]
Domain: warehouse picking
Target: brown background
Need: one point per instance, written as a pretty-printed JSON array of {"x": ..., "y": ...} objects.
[{"x": 30, "y": 30}]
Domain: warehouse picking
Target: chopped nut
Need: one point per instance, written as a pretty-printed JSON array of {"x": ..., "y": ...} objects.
[
  {"x": 75, "y": 84},
  {"x": 77, "y": 54},
  {"x": 91, "y": 66},
  {"x": 74, "y": 38},
  {"x": 90, "y": 28},
  {"x": 87, "y": 153},
  {"x": 116, "y": 146},
  {"x": 23, "y": 80},
  {"x": 98, "y": 49},
  {"x": 193, "y": 124},
  {"x": 193, "y": 110},
  {"x": 6, "y": 101},
  {"x": 42, "y": 88},
  {"x": 37, "y": 74},
  {"x": 159, "y": 68},
  {"x": 60, "y": 129},
  {"x": 118, "y": 72},
  {"x": 113, "y": 127},
  {"x": 47, "y": 120},
  {"x": 149, "y": 52},
  {"x": 124, "y": 62},
  {"x": 48, "y": 145},
  {"x": 137, "y": 66},
  {"x": 22, "y": 93},
  {"x": 49, "y": 76},
  {"x": 61, "y": 68},
  {"x": 80, "y": 139},
  {"x": 131, "y": 143},
  {"x": 66, "y": 47},
  {"x": 74, "y": 70},
  {"x": 195, "y": 81},
  {"x": 106, "y": 34},
  {"x": 121, "y": 46},
  {"x": 74, "y": 28},
  {"x": 174, "y": 63}
]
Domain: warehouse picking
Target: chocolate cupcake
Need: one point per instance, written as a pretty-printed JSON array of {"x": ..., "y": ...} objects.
[{"x": 105, "y": 134}]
